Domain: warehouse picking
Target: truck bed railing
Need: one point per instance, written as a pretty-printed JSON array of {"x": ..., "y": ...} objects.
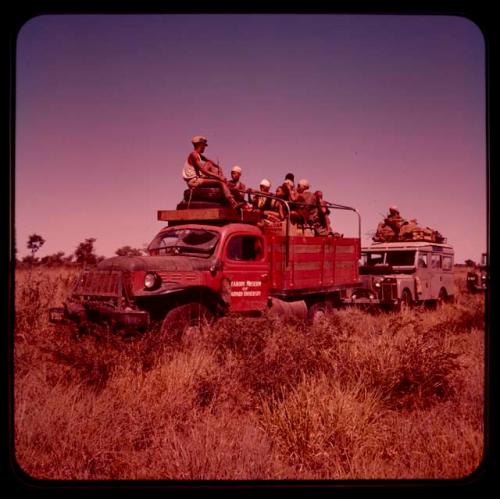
[
  {"x": 348, "y": 208},
  {"x": 333, "y": 206}
]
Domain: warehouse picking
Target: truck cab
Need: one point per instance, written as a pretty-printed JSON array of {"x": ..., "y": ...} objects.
[{"x": 399, "y": 274}]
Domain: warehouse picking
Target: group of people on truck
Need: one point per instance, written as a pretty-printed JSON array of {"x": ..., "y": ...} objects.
[{"x": 306, "y": 208}]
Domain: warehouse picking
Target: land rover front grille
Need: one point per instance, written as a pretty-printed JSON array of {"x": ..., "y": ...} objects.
[
  {"x": 388, "y": 290},
  {"x": 106, "y": 283}
]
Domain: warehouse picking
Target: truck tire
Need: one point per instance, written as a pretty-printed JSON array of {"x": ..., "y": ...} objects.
[
  {"x": 319, "y": 311},
  {"x": 190, "y": 316},
  {"x": 204, "y": 194}
]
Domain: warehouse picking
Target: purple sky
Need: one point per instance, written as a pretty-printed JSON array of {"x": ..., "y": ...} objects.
[{"x": 374, "y": 110}]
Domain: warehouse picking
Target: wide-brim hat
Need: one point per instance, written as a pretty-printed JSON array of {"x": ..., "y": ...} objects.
[{"x": 199, "y": 139}]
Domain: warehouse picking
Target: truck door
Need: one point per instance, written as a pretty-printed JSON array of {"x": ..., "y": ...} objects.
[{"x": 247, "y": 269}]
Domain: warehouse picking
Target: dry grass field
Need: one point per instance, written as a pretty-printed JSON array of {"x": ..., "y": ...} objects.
[{"x": 358, "y": 396}]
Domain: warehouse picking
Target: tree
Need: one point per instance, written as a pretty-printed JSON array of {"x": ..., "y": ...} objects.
[
  {"x": 85, "y": 253},
  {"x": 35, "y": 242},
  {"x": 469, "y": 263},
  {"x": 29, "y": 260},
  {"x": 68, "y": 259},
  {"x": 53, "y": 260},
  {"x": 128, "y": 251}
]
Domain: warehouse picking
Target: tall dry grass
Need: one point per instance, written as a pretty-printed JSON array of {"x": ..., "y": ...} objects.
[{"x": 358, "y": 396}]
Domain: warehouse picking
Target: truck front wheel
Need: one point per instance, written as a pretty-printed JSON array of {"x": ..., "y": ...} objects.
[{"x": 186, "y": 319}]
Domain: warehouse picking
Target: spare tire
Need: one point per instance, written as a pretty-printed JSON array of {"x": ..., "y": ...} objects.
[
  {"x": 203, "y": 193},
  {"x": 184, "y": 205}
]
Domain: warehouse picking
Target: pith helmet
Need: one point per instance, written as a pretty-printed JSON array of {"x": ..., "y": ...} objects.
[
  {"x": 304, "y": 182},
  {"x": 197, "y": 139},
  {"x": 236, "y": 168},
  {"x": 265, "y": 182},
  {"x": 394, "y": 208}
]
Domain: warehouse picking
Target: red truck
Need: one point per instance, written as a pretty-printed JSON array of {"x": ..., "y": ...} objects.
[{"x": 211, "y": 262}]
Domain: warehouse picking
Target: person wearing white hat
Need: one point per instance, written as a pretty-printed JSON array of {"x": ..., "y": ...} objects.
[
  {"x": 266, "y": 205},
  {"x": 199, "y": 170},
  {"x": 236, "y": 185},
  {"x": 262, "y": 202}
]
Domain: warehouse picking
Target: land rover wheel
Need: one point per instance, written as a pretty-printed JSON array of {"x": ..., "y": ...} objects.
[
  {"x": 319, "y": 311},
  {"x": 442, "y": 297},
  {"x": 406, "y": 300},
  {"x": 186, "y": 320}
]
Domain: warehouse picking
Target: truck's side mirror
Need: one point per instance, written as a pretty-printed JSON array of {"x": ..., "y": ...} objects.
[{"x": 216, "y": 267}]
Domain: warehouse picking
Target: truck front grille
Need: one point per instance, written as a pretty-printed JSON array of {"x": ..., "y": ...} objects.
[{"x": 106, "y": 283}]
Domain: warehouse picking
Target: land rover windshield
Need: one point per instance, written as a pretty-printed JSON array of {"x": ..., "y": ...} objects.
[
  {"x": 387, "y": 260},
  {"x": 199, "y": 242}
]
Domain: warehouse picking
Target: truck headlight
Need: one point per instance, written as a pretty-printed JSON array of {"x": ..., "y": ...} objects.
[
  {"x": 377, "y": 284},
  {"x": 151, "y": 280}
]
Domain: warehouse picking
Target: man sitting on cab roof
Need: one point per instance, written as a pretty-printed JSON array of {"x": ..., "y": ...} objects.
[{"x": 200, "y": 171}]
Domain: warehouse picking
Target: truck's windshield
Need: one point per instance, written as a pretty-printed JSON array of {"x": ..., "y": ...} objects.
[{"x": 181, "y": 241}]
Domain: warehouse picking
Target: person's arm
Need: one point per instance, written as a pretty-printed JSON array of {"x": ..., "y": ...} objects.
[
  {"x": 294, "y": 195},
  {"x": 196, "y": 161}
]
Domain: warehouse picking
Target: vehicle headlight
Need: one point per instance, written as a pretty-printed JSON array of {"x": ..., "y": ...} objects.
[
  {"x": 377, "y": 284},
  {"x": 151, "y": 280}
]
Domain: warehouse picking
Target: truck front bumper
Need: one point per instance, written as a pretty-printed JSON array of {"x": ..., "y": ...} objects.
[
  {"x": 124, "y": 318},
  {"x": 362, "y": 301}
]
